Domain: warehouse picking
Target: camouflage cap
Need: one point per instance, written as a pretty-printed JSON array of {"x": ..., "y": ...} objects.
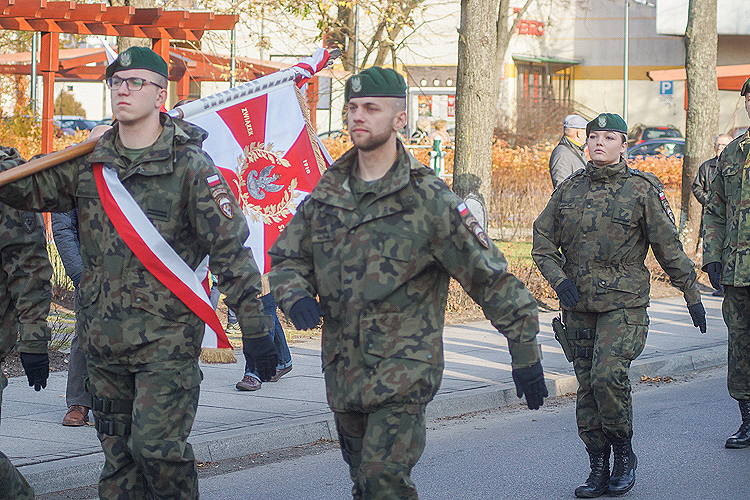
[
  {"x": 607, "y": 121},
  {"x": 138, "y": 58},
  {"x": 745, "y": 87},
  {"x": 375, "y": 82}
]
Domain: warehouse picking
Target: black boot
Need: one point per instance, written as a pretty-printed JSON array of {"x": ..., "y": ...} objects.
[
  {"x": 598, "y": 482},
  {"x": 741, "y": 438},
  {"x": 623, "y": 470}
]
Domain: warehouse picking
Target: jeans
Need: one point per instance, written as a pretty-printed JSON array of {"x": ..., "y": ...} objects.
[
  {"x": 214, "y": 298},
  {"x": 282, "y": 349}
]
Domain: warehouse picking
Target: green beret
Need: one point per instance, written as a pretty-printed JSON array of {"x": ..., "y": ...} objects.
[
  {"x": 138, "y": 58},
  {"x": 375, "y": 82},
  {"x": 745, "y": 87},
  {"x": 607, "y": 121}
]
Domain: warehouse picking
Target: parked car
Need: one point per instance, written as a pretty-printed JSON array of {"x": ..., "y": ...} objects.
[
  {"x": 640, "y": 133},
  {"x": 670, "y": 146}
]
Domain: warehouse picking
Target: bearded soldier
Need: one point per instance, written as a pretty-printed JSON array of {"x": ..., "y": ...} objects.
[{"x": 371, "y": 250}]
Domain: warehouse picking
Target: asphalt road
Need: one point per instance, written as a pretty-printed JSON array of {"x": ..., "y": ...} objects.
[{"x": 680, "y": 428}]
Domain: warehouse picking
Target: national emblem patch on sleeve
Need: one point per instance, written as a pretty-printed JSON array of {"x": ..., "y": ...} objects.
[
  {"x": 471, "y": 222},
  {"x": 220, "y": 194}
]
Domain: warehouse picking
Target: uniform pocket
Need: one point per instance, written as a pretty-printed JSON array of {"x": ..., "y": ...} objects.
[{"x": 393, "y": 336}]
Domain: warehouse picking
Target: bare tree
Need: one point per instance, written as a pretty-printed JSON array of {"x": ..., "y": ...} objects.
[
  {"x": 484, "y": 35},
  {"x": 337, "y": 21},
  {"x": 702, "y": 120}
]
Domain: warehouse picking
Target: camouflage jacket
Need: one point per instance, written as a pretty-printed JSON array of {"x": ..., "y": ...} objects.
[
  {"x": 124, "y": 313},
  {"x": 604, "y": 219},
  {"x": 25, "y": 288},
  {"x": 381, "y": 271},
  {"x": 727, "y": 226}
]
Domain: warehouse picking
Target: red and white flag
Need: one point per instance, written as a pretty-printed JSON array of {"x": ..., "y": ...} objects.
[{"x": 262, "y": 141}]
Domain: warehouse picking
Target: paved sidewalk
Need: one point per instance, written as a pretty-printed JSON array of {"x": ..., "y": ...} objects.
[{"x": 293, "y": 411}]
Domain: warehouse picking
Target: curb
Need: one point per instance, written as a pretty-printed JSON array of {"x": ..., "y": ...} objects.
[{"x": 84, "y": 471}]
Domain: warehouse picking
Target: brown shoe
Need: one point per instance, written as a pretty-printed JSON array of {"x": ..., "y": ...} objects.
[
  {"x": 280, "y": 373},
  {"x": 77, "y": 416},
  {"x": 248, "y": 383}
]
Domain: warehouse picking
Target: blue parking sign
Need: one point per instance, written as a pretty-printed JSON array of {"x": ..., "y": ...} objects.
[{"x": 666, "y": 88}]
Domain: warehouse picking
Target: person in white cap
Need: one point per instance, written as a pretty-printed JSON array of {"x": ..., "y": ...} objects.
[{"x": 568, "y": 156}]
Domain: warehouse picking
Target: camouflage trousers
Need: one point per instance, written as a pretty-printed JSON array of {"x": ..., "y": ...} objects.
[
  {"x": 13, "y": 486},
  {"x": 736, "y": 312},
  {"x": 381, "y": 448},
  {"x": 610, "y": 341},
  {"x": 144, "y": 414}
]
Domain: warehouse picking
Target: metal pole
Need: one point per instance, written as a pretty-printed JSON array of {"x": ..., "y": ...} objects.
[
  {"x": 33, "y": 89},
  {"x": 232, "y": 57},
  {"x": 625, "y": 65},
  {"x": 356, "y": 37}
]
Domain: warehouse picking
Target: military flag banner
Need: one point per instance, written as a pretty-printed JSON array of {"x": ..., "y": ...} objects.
[{"x": 261, "y": 139}]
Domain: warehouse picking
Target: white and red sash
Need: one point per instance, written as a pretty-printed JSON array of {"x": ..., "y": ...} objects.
[{"x": 150, "y": 247}]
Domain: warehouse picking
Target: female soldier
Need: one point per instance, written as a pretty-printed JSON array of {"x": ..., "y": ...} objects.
[{"x": 590, "y": 243}]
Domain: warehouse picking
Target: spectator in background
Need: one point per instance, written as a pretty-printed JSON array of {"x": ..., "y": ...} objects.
[
  {"x": 702, "y": 186},
  {"x": 568, "y": 156},
  {"x": 251, "y": 381},
  {"x": 440, "y": 132},
  {"x": 65, "y": 233}
]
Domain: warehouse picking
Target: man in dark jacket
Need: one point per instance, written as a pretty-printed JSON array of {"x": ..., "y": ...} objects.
[
  {"x": 65, "y": 232},
  {"x": 568, "y": 156}
]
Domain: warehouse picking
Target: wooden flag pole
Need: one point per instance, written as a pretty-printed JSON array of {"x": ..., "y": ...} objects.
[{"x": 47, "y": 161}]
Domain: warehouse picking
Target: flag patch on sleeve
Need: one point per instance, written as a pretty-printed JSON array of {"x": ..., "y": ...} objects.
[{"x": 471, "y": 222}]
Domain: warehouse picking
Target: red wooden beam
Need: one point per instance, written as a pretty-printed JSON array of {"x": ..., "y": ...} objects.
[
  {"x": 26, "y": 8},
  {"x": 58, "y": 10},
  {"x": 120, "y": 15}
]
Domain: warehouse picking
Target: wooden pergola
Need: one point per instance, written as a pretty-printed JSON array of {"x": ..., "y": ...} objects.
[{"x": 53, "y": 18}]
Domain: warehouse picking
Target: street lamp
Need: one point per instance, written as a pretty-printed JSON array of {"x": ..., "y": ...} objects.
[{"x": 626, "y": 62}]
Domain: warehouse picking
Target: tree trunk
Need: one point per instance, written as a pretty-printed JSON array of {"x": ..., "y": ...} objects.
[
  {"x": 484, "y": 36},
  {"x": 125, "y": 42},
  {"x": 702, "y": 121},
  {"x": 475, "y": 99}
]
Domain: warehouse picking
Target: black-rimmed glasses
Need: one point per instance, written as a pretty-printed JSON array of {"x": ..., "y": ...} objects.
[{"x": 132, "y": 84}]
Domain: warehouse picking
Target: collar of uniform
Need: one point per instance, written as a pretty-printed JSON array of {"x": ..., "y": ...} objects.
[
  {"x": 333, "y": 187},
  {"x": 745, "y": 141},
  {"x": 157, "y": 160},
  {"x": 603, "y": 173}
]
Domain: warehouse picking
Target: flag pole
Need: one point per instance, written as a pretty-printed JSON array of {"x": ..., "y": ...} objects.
[{"x": 207, "y": 104}]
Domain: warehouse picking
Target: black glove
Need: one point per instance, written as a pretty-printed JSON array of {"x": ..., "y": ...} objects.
[
  {"x": 530, "y": 381},
  {"x": 568, "y": 293},
  {"x": 263, "y": 353},
  {"x": 714, "y": 274},
  {"x": 699, "y": 316},
  {"x": 36, "y": 367},
  {"x": 305, "y": 313}
]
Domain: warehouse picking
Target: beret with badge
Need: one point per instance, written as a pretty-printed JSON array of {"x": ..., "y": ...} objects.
[
  {"x": 745, "y": 87},
  {"x": 138, "y": 58},
  {"x": 607, "y": 121},
  {"x": 375, "y": 82}
]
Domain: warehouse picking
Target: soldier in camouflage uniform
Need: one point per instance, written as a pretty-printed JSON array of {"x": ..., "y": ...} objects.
[
  {"x": 141, "y": 342},
  {"x": 590, "y": 243},
  {"x": 25, "y": 293},
  {"x": 376, "y": 242},
  {"x": 726, "y": 259}
]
